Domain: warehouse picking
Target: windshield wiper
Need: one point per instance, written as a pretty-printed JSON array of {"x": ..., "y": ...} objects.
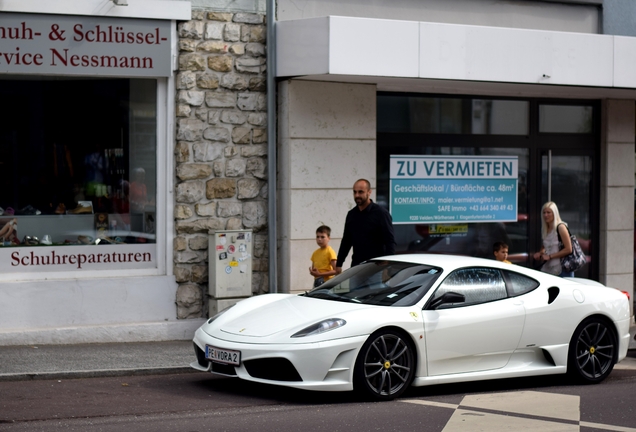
[{"x": 330, "y": 296}]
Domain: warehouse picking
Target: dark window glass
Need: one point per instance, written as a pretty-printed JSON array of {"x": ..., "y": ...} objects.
[
  {"x": 431, "y": 115},
  {"x": 78, "y": 160},
  {"x": 565, "y": 119},
  {"x": 419, "y": 124},
  {"x": 567, "y": 180}
]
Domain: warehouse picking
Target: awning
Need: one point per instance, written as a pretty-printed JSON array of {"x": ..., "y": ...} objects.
[{"x": 401, "y": 55}]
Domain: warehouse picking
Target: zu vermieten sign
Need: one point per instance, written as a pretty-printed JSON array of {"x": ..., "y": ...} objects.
[{"x": 453, "y": 189}]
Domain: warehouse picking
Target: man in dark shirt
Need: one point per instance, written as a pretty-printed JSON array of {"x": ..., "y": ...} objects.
[{"x": 368, "y": 229}]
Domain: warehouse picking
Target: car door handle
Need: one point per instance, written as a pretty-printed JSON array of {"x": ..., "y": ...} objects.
[{"x": 518, "y": 303}]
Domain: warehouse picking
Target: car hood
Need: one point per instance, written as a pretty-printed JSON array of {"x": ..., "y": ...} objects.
[{"x": 288, "y": 313}]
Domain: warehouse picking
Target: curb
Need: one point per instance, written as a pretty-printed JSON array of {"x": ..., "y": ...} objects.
[{"x": 98, "y": 373}]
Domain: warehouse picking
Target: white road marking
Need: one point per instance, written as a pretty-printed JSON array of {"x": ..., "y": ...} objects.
[
  {"x": 627, "y": 363},
  {"x": 532, "y": 403},
  {"x": 564, "y": 409},
  {"x": 431, "y": 403},
  {"x": 471, "y": 421},
  {"x": 607, "y": 427}
]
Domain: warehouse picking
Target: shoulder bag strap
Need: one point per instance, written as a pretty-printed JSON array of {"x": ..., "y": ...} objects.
[{"x": 559, "y": 235}]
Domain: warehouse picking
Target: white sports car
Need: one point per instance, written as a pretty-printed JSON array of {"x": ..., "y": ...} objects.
[{"x": 420, "y": 320}]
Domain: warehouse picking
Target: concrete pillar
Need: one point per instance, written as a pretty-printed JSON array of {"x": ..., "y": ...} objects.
[
  {"x": 327, "y": 140},
  {"x": 617, "y": 195}
]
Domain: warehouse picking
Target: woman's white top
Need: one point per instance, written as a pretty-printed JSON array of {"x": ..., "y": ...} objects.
[{"x": 551, "y": 245}]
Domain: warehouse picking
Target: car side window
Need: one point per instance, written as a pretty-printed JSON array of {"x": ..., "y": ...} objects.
[
  {"x": 519, "y": 284},
  {"x": 478, "y": 285}
]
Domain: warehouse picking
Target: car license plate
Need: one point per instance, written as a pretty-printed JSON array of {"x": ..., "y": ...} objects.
[{"x": 223, "y": 355}]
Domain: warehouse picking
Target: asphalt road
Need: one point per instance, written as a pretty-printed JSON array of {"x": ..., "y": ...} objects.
[{"x": 202, "y": 402}]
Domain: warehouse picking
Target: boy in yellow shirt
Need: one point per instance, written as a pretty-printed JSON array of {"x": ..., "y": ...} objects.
[
  {"x": 323, "y": 260},
  {"x": 500, "y": 249}
]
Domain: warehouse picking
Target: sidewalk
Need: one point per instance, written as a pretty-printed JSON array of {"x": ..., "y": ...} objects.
[{"x": 19, "y": 363}]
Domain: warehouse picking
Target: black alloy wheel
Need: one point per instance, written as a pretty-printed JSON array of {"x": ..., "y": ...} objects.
[
  {"x": 593, "y": 351},
  {"x": 386, "y": 365}
]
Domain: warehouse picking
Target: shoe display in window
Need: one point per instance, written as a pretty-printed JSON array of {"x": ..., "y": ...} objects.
[
  {"x": 28, "y": 211},
  {"x": 83, "y": 207},
  {"x": 30, "y": 240},
  {"x": 108, "y": 240},
  {"x": 9, "y": 211},
  {"x": 85, "y": 239},
  {"x": 46, "y": 240},
  {"x": 61, "y": 209}
]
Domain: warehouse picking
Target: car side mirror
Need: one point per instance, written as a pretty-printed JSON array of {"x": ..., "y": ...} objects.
[{"x": 446, "y": 298}]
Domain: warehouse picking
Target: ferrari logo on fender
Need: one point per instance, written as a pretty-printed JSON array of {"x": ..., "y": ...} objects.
[
  {"x": 414, "y": 315},
  {"x": 242, "y": 330}
]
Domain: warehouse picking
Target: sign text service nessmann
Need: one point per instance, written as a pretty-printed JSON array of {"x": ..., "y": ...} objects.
[{"x": 77, "y": 45}]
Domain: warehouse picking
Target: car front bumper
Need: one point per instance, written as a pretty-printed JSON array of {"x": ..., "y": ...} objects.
[{"x": 326, "y": 366}]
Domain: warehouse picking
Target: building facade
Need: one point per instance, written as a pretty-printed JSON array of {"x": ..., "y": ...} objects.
[
  {"x": 546, "y": 83},
  {"x": 134, "y": 128},
  {"x": 131, "y": 130}
]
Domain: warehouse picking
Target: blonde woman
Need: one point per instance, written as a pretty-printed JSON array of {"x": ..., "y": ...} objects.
[{"x": 550, "y": 254}]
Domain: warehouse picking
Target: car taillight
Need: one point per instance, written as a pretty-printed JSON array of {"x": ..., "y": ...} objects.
[{"x": 627, "y": 294}]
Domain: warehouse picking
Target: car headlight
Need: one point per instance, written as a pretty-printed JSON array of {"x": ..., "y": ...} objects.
[{"x": 321, "y": 327}]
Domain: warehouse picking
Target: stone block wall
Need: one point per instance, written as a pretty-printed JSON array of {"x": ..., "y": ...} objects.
[{"x": 221, "y": 146}]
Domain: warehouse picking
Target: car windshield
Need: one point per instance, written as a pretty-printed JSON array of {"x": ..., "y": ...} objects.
[{"x": 384, "y": 283}]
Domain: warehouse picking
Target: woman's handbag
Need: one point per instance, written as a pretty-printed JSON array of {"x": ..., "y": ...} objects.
[{"x": 575, "y": 260}]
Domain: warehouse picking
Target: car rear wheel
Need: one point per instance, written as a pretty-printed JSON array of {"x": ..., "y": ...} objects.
[
  {"x": 593, "y": 351},
  {"x": 385, "y": 365}
]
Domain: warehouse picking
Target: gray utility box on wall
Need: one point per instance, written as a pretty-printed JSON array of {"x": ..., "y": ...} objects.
[{"x": 230, "y": 267}]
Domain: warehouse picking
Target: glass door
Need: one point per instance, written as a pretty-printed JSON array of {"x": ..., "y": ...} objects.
[{"x": 566, "y": 179}]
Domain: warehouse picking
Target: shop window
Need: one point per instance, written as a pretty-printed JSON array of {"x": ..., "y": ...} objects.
[
  {"x": 567, "y": 180},
  {"x": 565, "y": 119},
  {"x": 431, "y": 115},
  {"x": 78, "y": 161},
  {"x": 472, "y": 239},
  {"x": 413, "y": 124}
]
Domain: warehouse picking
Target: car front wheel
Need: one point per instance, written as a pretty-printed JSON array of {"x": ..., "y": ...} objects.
[
  {"x": 593, "y": 351},
  {"x": 385, "y": 366}
]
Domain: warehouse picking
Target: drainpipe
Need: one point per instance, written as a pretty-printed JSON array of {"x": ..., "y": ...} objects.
[{"x": 271, "y": 145}]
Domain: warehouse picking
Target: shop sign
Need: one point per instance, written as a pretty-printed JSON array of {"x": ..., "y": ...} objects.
[
  {"x": 38, "y": 259},
  {"x": 443, "y": 230},
  {"x": 80, "y": 45},
  {"x": 453, "y": 189}
]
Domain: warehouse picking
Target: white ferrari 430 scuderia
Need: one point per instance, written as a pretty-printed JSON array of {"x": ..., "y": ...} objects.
[{"x": 419, "y": 320}]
